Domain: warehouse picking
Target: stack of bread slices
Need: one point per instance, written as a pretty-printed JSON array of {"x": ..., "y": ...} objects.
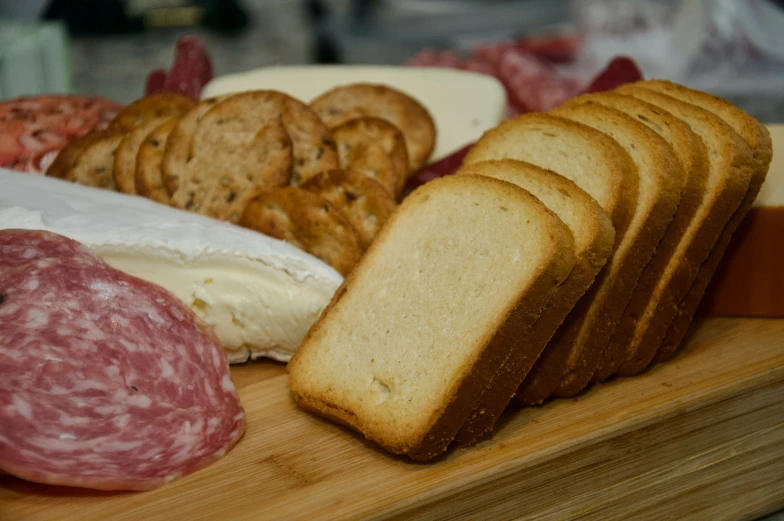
[{"x": 572, "y": 246}]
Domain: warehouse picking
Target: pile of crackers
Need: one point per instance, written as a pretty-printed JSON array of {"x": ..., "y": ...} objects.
[{"x": 323, "y": 176}]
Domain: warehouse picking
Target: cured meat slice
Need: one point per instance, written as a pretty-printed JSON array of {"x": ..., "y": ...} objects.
[
  {"x": 107, "y": 381},
  {"x": 20, "y": 247},
  {"x": 34, "y": 129}
]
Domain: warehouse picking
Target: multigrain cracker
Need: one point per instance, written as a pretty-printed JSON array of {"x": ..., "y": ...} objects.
[
  {"x": 95, "y": 163},
  {"x": 148, "y": 108},
  {"x": 363, "y": 201},
  {"x": 376, "y": 148},
  {"x": 309, "y": 222},
  {"x": 236, "y": 120},
  {"x": 149, "y": 176},
  {"x": 125, "y": 159},
  {"x": 361, "y": 99},
  {"x": 220, "y": 182}
]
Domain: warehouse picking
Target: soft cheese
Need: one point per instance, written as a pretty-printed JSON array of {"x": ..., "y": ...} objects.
[
  {"x": 259, "y": 294},
  {"x": 463, "y": 104}
]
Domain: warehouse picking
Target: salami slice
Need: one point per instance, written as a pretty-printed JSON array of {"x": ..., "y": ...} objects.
[
  {"x": 33, "y": 129},
  {"x": 107, "y": 381},
  {"x": 20, "y": 247}
]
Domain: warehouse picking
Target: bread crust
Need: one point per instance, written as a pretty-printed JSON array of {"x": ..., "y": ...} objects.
[
  {"x": 688, "y": 306},
  {"x": 733, "y": 166},
  {"x": 592, "y": 252},
  {"x": 620, "y": 201},
  {"x": 757, "y": 137},
  {"x": 692, "y": 155},
  {"x": 344, "y": 103},
  {"x": 496, "y": 345},
  {"x": 570, "y": 346},
  {"x": 661, "y": 183}
]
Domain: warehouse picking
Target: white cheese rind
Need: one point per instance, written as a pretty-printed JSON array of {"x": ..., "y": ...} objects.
[
  {"x": 259, "y": 294},
  {"x": 463, "y": 104}
]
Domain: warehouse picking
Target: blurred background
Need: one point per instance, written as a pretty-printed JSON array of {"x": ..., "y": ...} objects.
[{"x": 734, "y": 48}]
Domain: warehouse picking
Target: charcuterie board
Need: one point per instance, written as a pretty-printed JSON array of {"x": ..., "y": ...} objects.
[{"x": 699, "y": 437}]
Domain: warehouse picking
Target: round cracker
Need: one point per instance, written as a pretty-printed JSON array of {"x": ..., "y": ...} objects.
[
  {"x": 375, "y": 148},
  {"x": 309, "y": 222},
  {"x": 149, "y": 176},
  {"x": 125, "y": 159},
  {"x": 66, "y": 158},
  {"x": 235, "y": 120},
  {"x": 221, "y": 180},
  {"x": 178, "y": 145},
  {"x": 95, "y": 164},
  {"x": 148, "y": 108},
  {"x": 363, "y": 99},
  {"x": 364, "y": 202}
]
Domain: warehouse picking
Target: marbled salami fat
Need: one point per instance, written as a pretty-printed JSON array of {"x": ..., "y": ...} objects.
[
  {"x": 19, "y": 247},
  {"x": 107, "y": 381}
]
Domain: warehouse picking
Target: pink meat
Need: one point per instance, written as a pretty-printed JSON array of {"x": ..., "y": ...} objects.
[
  {"x": 20, "y": 247},
  {"x": 107, "y": 381},
  {"x": 191, "y": 70},
  {"x": 34, "y": 129}
]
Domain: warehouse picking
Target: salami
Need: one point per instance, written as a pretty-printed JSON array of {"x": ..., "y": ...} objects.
[
  {"x": 34, "y": 129},
  {"x": 107, "y": 381},
  {"x": 19, "y": 247},
  {"x": 189, "y": 73}
]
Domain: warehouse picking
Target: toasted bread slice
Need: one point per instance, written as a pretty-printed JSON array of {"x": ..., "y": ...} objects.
[
  {"x": 730, "y": 168},
  {"x": 418, "y": 329},
  {"x": 662, "y": 179},
  {"x": 148, "y": 108},
  {"x": 357, "y": 100},
  {"x": 602, "y": 167},
  {"x": 221, "y": 181},
  {"x": 178, "y": 145},
  {"x": 756, "y": 136},
  {"x": 375, "y": 148},
  {"x": 309, "y": 222},
  {"x": 693, "y": 157},
  {"x": 593, "y": 235},
  {"x": 95, "y": 165},
  {"x": 149, "y": 174},
  {"x": 66, "y": 158},
  {"x": 236, "y": 120},
  {"x": 363, "y": 201},
  {"x": 124, "y": 170}
]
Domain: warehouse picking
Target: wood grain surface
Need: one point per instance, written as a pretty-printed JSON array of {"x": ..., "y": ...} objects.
[{"x": 701, "y": 437}]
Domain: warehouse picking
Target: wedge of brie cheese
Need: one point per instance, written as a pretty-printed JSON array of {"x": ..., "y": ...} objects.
[
  {"x": 463, "y": 104},
  {"x": 260, "y": 295}
]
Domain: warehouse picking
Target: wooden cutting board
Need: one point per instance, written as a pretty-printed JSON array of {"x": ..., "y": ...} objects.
[{"x": 700, "y": 437}]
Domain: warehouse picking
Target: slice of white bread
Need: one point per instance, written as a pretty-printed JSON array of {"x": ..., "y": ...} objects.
[
  {"x": 730, "y": 169},
  {"x": 601, "y": 167},
  {"x": 757, "y": 137},
  {"x": 661, "y": 179},
  {"x": 693, "y": 157},
  {"x": 427, "y": 317},
  {"x": 593, "y": 235}
]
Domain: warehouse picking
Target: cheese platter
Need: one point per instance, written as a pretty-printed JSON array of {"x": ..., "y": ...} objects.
[{"x": 256, "y": 306}]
